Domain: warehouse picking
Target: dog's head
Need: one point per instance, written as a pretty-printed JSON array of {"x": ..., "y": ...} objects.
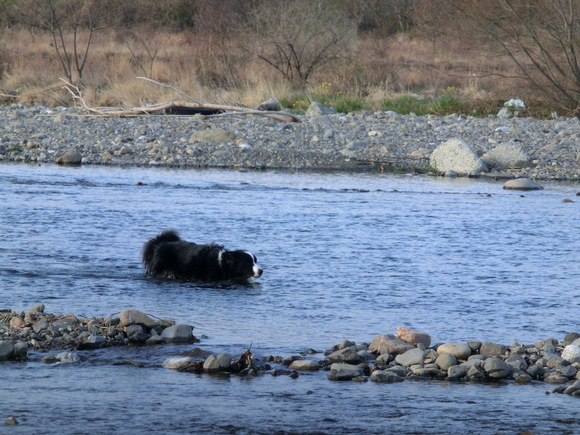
[{"x": 239, "y": 265}]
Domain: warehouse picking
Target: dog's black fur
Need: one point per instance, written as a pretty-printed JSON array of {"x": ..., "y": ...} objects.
[{"x": 167, "y": 256}]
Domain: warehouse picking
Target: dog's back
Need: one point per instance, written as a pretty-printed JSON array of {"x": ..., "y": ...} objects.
[{"x": 153, "y": 262}]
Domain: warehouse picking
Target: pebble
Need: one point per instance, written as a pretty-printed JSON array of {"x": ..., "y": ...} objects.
[{"x": 324, "y": 140}]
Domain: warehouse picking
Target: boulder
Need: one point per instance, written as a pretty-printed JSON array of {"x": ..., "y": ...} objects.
[
  {"x": 522, "y": 184},
  {"x": 389, "y": 344},
  {"x": 456, "y": 155},
  {"x": 495, "y": 368},
  {"x": 410, "y": 357},
  {"x": 272, "y": 104},
  {"x": 492, "y": 349},
  {"x": 571, "y": 353},
  {"x": 349, "y": 355},
  {"x": 445, "y": 361},
  {"x": 413, "y": 337},
  {"x": 6, "y": 350},
  {"x": 135, "y": 317},
  {"x": 507, "y": 155},
  {"x": 222, "y": 361},
  {"x": 136, "y": 333},
  {"x": 179, "y": 333},
  {"x": 178, "y": 363},
  {"x": 344, "y": 372},
  {"x": 70, "y": 158},
  {"x": 456, "y": 372},
  {"x": 385, "y": 377},
  {"x": 304, "y": 365},
  {"x": 458, "y": 350}
]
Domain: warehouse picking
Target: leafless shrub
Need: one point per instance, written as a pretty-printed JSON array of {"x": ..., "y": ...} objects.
[
  {"x": 541, "y": 38},
  {"x": 66, "y": 21},
  {"x": 296, "y": 38}
]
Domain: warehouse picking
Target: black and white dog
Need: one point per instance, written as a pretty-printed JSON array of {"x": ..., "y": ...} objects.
[{"x": 167, "y": 256}]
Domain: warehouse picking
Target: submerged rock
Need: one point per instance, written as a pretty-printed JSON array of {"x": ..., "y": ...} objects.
[{"x": 522, "y": 184}]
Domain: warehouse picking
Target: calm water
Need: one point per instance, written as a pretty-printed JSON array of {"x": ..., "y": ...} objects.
[{"x": 344, "y": 257}]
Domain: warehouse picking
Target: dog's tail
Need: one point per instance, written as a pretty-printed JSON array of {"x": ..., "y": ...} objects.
[{"x": 148, "y": 252}]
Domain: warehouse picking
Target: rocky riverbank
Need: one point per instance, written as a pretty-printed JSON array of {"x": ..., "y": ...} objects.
[
  {"x": 381, "y": 141},
  {"x": 407, "y": 354}
]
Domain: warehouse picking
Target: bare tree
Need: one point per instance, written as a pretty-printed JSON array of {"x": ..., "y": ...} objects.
[
  {"x": 71, "y": 24},
  {"x": 542, "y": 38},
  {"x": 298, "y": 37}
]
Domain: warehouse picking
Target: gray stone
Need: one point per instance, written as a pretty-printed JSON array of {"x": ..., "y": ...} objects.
[
  {"x": 36, "y": 309},
  {"x": 39, "y": 325},
  {"x": 492, "y": 349},
  {"x": 348, "y": 354},
  {"x": 135, "y": 317},
  {"x": 446, "y": 360},
  {"x": 517, "y": 362},
  {"x": 389, "y": 344},
  {"x": 475, "y": 374},
  {"x": 178, "y": 363},
  {"x": 344, "y": 372},
  {"x": 573, "y": 388},
  {"x": 385, "y": 377},
  {"x": 136, "y": 333},
  {"x": 222, "y": 361},
  {"x": 21, "y": 349},
  {"x": 507, "y": 155},
  {"x": 410, "y": 357},
  {"x": 304, "y": 365},
  {"x": 67, "y": 357},
  {"x": 70, "y": 158},
  {"x": 272, "y": 104},
  {"x": 6, "y": 350},
  {"x": 180, "y": 333},
  {"x": 522, "y": 184},
  {"x": 456, "y": 372},
  {"x": 456, "y": 155},
  {"x": 384, "y": 359},
  {"x": 496, "y": 368},
  {"x": 458, "y": 350}
]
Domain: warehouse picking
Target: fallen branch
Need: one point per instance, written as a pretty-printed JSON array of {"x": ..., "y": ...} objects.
[{"x": 175, "y": 107}]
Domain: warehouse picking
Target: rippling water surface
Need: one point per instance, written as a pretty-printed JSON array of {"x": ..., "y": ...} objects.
[{"x": 345, "y": 256}]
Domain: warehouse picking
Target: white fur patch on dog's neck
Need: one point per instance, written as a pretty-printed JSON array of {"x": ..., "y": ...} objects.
[{"x": 220, "y": 255}]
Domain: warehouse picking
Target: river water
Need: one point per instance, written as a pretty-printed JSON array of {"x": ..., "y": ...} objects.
[{"x": 345, "y": 256}]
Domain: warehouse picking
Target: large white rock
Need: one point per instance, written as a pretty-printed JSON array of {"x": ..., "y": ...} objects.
[
  {"x": 571, "y": 353},
  {"x": 456, "y": 155}
]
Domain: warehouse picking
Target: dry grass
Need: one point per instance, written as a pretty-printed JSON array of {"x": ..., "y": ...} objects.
[{"x": 211, "y": 69}]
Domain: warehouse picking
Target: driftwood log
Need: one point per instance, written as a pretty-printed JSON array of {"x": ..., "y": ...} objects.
[{"x": 175, "y": 107}]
